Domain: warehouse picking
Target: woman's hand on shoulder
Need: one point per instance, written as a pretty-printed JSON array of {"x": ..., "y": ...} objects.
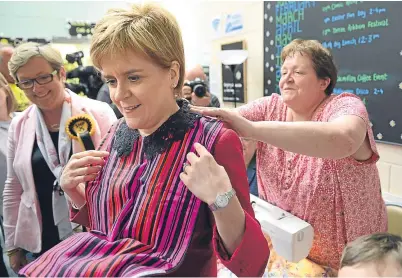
[
  {"x": 203, "y": 176},
  {"x": 82, "y": 167},
  {"x": 232, "y": 117}
]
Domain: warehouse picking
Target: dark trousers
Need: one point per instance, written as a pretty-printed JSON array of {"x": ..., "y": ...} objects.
[
  {"x": 252, "y": 176},
  {"x": 3, "y": 269}
]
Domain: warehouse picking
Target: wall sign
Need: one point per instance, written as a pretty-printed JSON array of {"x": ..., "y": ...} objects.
[
  {"x": 234, "y": 22},
  {"x": 238, "y": 87}
]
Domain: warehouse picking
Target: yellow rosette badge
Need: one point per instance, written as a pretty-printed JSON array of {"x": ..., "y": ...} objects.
[{"x": 81, "y": 128}]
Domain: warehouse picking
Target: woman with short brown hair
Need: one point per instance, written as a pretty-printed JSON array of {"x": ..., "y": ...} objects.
[{"x": 316, "y": 155}]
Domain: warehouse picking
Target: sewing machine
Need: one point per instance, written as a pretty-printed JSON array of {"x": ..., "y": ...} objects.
[{"x": 291, "y": 237}]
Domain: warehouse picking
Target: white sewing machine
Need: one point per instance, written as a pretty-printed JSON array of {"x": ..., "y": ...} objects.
[{"x": 291, "y": 237}]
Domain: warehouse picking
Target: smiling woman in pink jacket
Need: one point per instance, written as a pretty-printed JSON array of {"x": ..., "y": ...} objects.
[{"x": 36, "y": 212}]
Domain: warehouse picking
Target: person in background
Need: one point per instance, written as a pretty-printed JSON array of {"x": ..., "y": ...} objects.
[
  {"x": 8, "y": 105},
  {"x": 36, "y": 213},
  {"x": 316, "y": 155},
  {"x": 5, "y": 54},
  {"x": 104, "y": 96},
  {"x": 172, "y": 195},
  {"x": 249, "y": 149},
  {"x": 376, "y": 255},
  {"x": 209, "y": 99}
]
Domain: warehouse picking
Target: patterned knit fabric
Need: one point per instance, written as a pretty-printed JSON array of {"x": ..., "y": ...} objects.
[{"x": 141, "y": 215}]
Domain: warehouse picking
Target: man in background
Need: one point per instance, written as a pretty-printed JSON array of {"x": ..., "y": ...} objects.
[
  {"x": 5, "y": 54},
  {"x": 104, "y": 96},
  {"x": 249, "y": 153},
  {"x": 207, "y": 100}
]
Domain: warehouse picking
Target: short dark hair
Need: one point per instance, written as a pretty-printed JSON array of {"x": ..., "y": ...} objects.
[
  {"x": 321, "y": 57},
  {"x": 373, "y": 248}
]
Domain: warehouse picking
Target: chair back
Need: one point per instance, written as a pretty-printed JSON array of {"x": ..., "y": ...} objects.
[{"x": 394, "y": 212}]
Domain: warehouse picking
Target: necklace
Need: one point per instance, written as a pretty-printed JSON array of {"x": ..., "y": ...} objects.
[{"x": 55, "y": 127}]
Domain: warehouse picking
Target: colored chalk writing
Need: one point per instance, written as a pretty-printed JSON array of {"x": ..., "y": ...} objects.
[
  {"x": 365, "y": 40},
  {"x": 289, "y": 16}
]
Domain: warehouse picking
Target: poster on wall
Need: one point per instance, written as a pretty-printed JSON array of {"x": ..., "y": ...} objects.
[
  {"x": 233, "y": 23},
  {"x": 237, "y": 87},
  {"x": 216, "y": 26},
  {"x": 227, "y": 25}
]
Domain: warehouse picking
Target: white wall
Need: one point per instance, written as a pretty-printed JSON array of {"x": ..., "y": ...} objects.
[
  {"x": 187, "y": 13},
  {"x": 390, "y": 167},
  {"x": 46, "y": 19}
]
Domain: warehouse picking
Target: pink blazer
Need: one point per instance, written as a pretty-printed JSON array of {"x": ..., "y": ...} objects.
[{"x": 22, "y": 217}]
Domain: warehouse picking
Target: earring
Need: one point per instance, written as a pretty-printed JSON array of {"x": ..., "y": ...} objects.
[{"x": 174, "y": 86}]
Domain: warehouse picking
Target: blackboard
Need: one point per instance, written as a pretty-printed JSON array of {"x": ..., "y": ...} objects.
[
  {"x": 365, "y": 39},
  {"x": 227, "y": 77}
]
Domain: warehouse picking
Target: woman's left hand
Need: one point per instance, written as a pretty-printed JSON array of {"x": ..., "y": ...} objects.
[{"x": 203, "y": 176}]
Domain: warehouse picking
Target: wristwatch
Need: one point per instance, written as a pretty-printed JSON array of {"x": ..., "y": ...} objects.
[{"x": 222, "y": 200}]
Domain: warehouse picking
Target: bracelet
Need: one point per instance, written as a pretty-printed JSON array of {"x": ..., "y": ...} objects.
[
  {"x": 74, "y": 206},
  {"x": 13, "y": 251}
]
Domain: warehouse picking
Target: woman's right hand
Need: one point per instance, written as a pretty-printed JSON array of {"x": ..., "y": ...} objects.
[
  {"x": 18, "y": 260},
  {"x": 82, "y": 167},
  {"x": 237, "y": 122}
]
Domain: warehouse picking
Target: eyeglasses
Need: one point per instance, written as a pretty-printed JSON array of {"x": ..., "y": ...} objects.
[{"x": 41, "y": 80}]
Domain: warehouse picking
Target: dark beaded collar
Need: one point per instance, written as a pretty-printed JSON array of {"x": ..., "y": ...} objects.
[{"x": 173, "y": 129}]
